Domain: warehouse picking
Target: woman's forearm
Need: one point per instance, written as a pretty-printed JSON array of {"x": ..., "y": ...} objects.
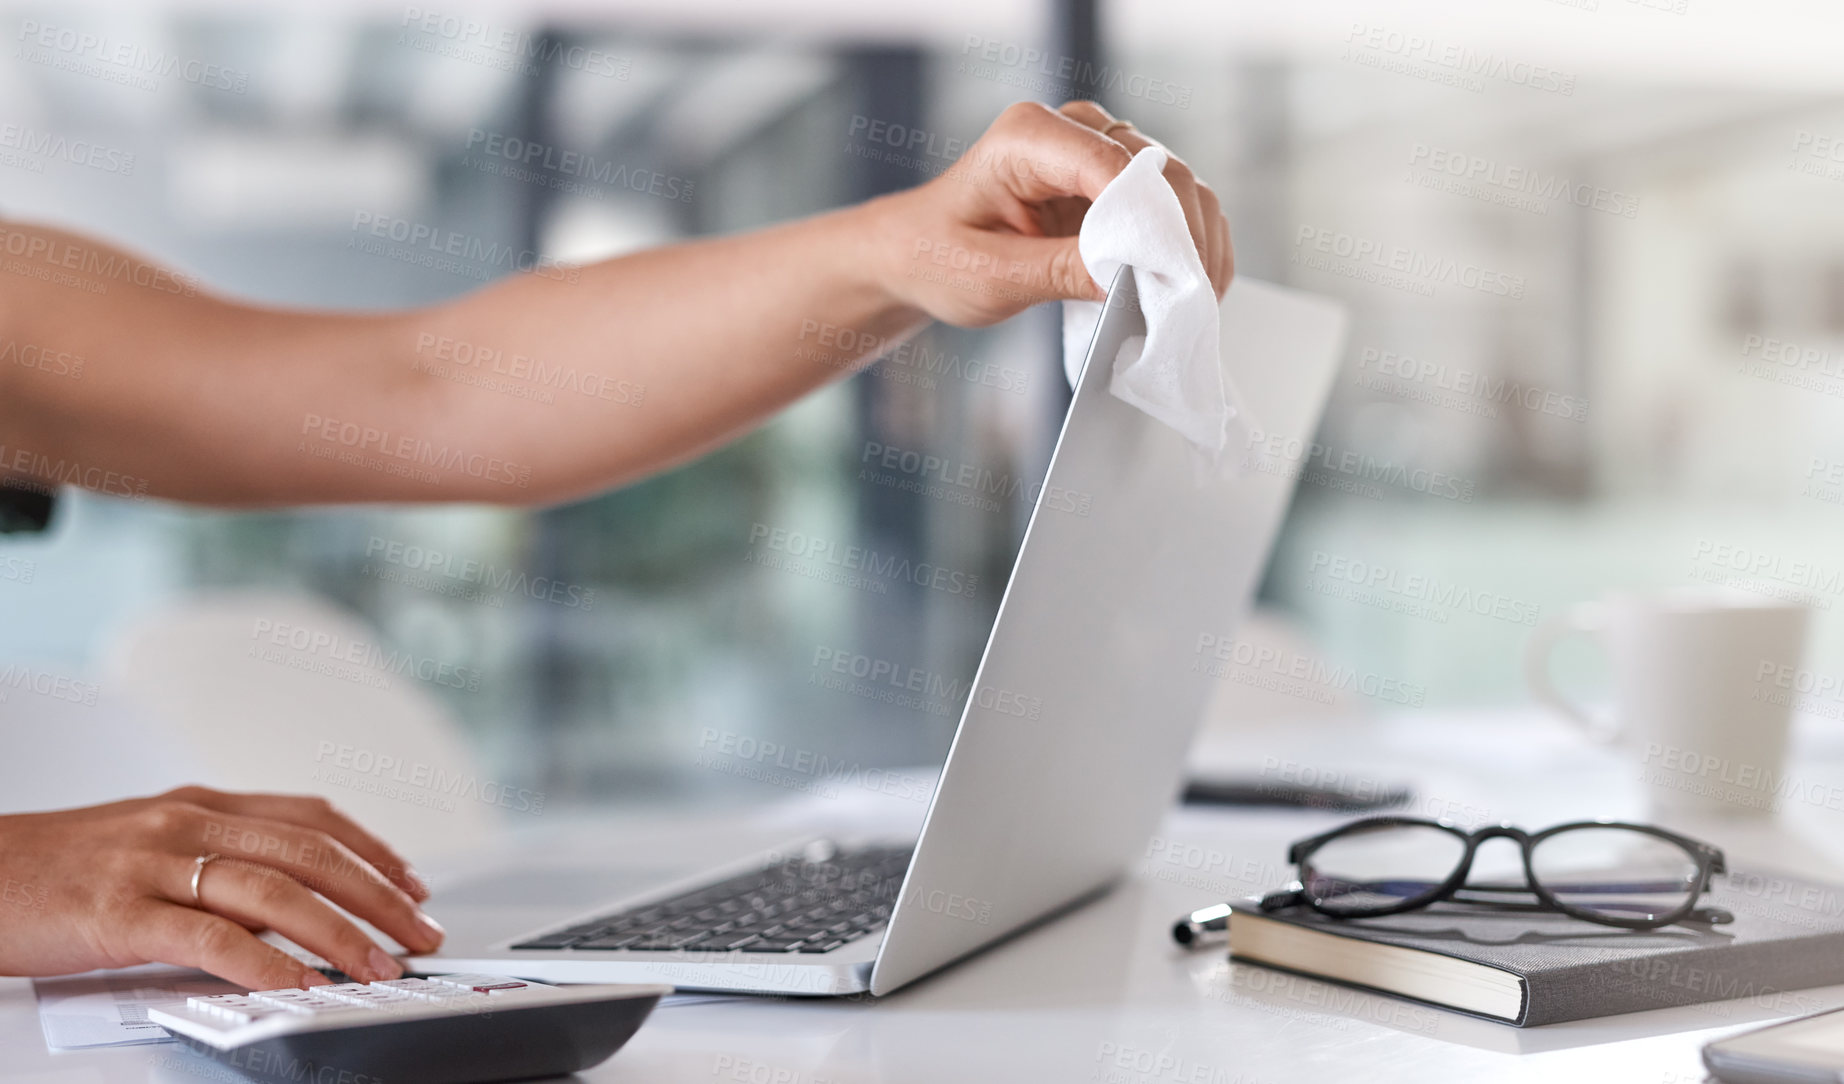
[
  {"x": 697, "y": 343},
  {"x": 542, "y": 387}
]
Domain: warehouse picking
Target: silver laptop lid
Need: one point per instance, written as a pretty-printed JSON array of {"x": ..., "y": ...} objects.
[{"x": 1073, "y": 738}]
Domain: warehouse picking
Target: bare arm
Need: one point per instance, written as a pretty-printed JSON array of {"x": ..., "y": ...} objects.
[{"x": 543, "y": 387}]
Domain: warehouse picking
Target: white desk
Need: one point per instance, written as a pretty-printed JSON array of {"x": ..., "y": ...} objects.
[{"x": 1103, "y": 995}]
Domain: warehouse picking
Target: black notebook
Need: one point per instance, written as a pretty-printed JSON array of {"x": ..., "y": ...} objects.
[{"x": 1528, "y": 969}]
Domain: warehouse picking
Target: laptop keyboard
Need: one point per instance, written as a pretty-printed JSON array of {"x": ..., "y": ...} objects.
[{"x": 815, "y": 903}]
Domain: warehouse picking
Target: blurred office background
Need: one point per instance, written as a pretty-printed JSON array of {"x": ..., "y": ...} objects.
[{"x": 1594, "y": 253}]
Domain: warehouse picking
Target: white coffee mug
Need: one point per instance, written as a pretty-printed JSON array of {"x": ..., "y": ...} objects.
[{"x": 1694, "y": 691}]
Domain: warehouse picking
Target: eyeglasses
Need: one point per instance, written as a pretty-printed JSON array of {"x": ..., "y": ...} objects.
[{"x": 1634, "y": 876}]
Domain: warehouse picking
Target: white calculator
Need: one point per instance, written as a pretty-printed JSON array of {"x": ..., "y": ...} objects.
[{"x": 450, "y": 1029}]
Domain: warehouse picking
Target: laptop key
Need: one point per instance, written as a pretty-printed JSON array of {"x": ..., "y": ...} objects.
[
  {"x": 618, "y": 941},
  {"x": 555, "y": 941},
  {"x": 819, "y": 945}
]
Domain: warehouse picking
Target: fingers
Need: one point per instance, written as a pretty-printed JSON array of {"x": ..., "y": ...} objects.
[
  {"x": 1040, "y": 154},
  {"x": 309, "y": 855},
  {"x": 327, "y": 866},
  {"x": 1061, "y": 272},
  {"x": 1221, "y": 263},
  {"x": 172, "y": 934},
  {"x": 1090, "y": 114},
  {"x": 1184, "y": 186},
  {"x": 245, "y": 892},
  {"x": 1177, "y": 174},
  {"x": 313, "y": 812},
  {"x": 1203, "y": 212}
]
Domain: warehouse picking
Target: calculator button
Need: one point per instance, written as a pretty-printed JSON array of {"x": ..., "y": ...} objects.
[
  {"x": 358, "y": 993},
  {"x": 487, "y": 984},
  {"x": 339, "y": 988},
  {"x": 405, "y": 985},
  {"x": 421, "y": 989},
  {"x": 231, "y": 1008},
  {"x": 300, "y": 1001},
  {"x": 442, "y": 994}
]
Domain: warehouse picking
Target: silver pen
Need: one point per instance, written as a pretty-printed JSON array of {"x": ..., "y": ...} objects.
[{"x": 1200, "y": 929}]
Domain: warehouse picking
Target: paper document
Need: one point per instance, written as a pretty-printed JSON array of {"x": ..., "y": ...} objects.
[{"x": 109, "y": 1008}]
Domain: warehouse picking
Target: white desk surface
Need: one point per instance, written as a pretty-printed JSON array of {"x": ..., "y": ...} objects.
[{"x": 1102, "y": 995}]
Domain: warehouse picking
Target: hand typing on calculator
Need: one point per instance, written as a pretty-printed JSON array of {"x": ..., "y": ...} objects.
[{"x": 187, "y": 877}]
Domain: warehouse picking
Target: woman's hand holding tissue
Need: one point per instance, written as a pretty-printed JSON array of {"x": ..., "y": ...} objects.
[
  {"x": 1203, "y": 212},
  {"x": 566, "y": 380},
  {"x": 996, "y": 233}
]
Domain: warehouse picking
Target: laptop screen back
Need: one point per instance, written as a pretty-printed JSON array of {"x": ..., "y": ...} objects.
[{"x": 1073, "y": 738}]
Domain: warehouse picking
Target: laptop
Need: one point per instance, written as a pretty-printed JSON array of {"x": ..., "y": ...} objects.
[{"x": 1073, "y": 738}]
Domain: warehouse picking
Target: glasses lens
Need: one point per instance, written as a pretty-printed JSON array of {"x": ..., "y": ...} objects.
[
  {"x": 1616, "y": 872},
  {"x": 1373, "y": 867}
]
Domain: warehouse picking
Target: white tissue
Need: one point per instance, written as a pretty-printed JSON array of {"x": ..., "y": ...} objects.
[{"x": 1174, "y": 374}]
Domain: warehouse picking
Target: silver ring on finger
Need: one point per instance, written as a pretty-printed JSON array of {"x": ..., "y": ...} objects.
[{"x": 198, "y": 871}]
